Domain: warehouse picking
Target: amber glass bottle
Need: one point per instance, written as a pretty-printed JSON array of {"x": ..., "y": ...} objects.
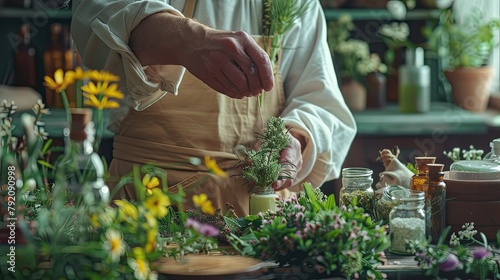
[
  {"x": 53, "y": 60},
  {"x": 435, "y": 200},
  {"x": 417, "y": 181},
  {"x": 25, "y": 59}
]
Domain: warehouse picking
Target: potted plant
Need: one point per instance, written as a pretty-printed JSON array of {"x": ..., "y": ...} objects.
[{"x": 465, "y": 50}]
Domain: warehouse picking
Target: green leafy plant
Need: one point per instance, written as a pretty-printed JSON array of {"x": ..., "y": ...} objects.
[
  {"x": 313, "y": 234},
  {"x": 464, "y": 255},
  {"x": 464, "y": 45},
  {"x": 458, "y": 154},
  {"x": 262, "y": 167}
]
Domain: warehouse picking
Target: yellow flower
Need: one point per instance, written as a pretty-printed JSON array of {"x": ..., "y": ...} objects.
[
  {"x": 213, "y": 167},
  {"x": 126, "y": 210},
  {"x": 60, "y": 82},
  {"x": 103, "y": 88},
  {"x": 78, "y": 73},
  {"x": 94, "y": 221},
  {"x": 157, "y": 203},
  {"x": 114, "y": 243},
  {"x": 204, "y": 204},
  {"x": 139, "y": 264},
  {"x": 104, "y": 103},
  {"x": 151, "y": 240},
  {"x": 103, "y": 76},
  {"x": 150, "y": 183}
]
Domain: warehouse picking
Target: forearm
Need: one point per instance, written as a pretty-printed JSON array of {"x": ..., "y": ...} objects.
[
  {"x": 102, "y": 27},
  {"x": 164, "y": 38}
]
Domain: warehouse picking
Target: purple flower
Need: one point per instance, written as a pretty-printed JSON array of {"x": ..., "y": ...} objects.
[
  {"x": 450, "y": 263},
  {"x": 480, "y": 253},
  {"x": 208, "y": 230},
  {"x": 204, "y": 229}
]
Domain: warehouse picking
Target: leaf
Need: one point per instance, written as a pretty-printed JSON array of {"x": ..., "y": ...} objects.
[
  {"x": 330, "y": 202},
  {"x": 46, "y": 164},
  {"x": 46, "y": 146},
  {"x": 485, "y": 240},
  {"x": 313, "y": 200}
]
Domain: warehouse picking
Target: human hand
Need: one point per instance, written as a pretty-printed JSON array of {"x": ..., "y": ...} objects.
[
  {"x": 229, "y": 62},
  {"x": 292, "y": 154},
  {"x": 291, "y": 157}
]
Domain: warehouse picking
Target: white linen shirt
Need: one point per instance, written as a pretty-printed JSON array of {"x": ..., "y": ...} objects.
[{"x": 314, "y": 105}]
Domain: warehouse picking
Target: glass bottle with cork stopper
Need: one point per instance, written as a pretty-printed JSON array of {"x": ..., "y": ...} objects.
[
  {"x": 81, "y": 171},
  {"x": 435, "y": 200},
  {"x": 418, "y": 180}
]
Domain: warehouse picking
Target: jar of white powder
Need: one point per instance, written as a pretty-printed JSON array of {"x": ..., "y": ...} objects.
[{"x": 407, "y": 222}]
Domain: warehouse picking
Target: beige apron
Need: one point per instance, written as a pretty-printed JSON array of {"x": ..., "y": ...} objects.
[{"x": 197, "y": 122}]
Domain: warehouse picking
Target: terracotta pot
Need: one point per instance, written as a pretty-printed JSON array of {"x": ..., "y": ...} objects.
[
  {"x": 475, "y": 201},
  {"x": 354, "y": 94},
  {"x": 470, "y": 87}
]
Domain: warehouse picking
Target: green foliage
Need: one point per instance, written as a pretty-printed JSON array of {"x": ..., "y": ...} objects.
[
  {"x": 313, "y": 234},
  {"x": 464, "y": 45},
  {"x": 464, "y": 254},
  {"x": 262, "y": 167},
  {"x": 412, "y": 168},
  {"x": 458, "y": 154}
]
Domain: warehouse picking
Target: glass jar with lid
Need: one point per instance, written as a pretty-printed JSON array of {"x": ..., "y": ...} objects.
[
  {"x": 357, "y": 186},
  {"x": 407, "y": 222},
  {"x": 389, "y": 198}
]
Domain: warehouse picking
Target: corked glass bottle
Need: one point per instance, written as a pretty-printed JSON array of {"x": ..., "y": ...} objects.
[
  {"x": 435, "y": 200},
  {"x": 418, "y": 180},
  {"x": 25, "y": 59},
  {"x": 81, "y": 171}
]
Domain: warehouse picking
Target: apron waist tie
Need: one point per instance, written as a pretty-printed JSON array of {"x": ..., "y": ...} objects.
[{"x": 167, "y": 156}]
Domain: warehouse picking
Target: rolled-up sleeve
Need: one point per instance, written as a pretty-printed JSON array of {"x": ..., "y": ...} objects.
[{"x": 101, "y": 31}]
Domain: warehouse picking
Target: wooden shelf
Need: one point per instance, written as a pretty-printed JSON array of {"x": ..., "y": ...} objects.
[
  {"x": 33, "y": 13},
  {"x": 380, "y": 14}
]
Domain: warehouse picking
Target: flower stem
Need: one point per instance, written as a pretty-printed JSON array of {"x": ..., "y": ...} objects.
[
  {"x": 100, "y": 129},
  {"x": 66, "y": 106}
]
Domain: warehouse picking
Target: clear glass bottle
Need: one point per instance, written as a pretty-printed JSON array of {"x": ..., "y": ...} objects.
[
  {"x": 414, "y": 94},
  {"x": 418, "y": 180},
  {"x": 494, "y": 154},
  {"x": 407, "y": 222},
  {"x": 357, "y": 183},
  {"x": 435, "y": 200},
  {"x": 80, "y": 171},
  {"x": 390, "y": 197}
]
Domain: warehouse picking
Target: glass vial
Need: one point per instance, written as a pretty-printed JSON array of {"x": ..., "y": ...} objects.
[
  {"x": 414, "y": 90},
  {"x": 435, "y": 200},
  {"x": 418, "y": 180},
  {"x": 80, "y": 171},
  {"x": 407, "y": 222},
  {"x": 357, "y": 184}
]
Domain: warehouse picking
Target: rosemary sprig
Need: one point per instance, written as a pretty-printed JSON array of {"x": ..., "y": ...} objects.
[{"x": 279, "y": 16}]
